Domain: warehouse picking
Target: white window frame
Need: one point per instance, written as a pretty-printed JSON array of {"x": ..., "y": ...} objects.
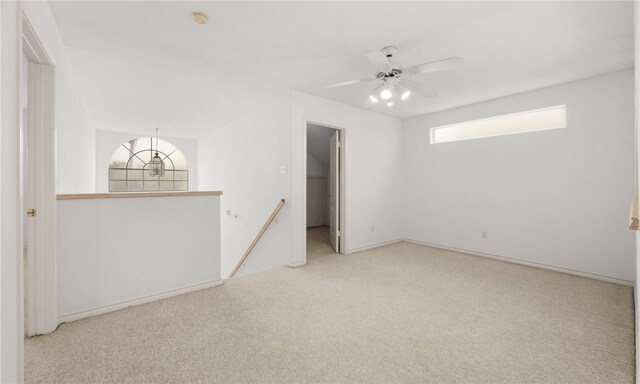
[{"x": 432, "y": 133}]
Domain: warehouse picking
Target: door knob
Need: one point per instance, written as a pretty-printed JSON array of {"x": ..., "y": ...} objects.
[{"x": 31, "y": 212}]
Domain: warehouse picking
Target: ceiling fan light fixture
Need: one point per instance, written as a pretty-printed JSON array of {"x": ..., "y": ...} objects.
[{"x": 393, "y": 78}]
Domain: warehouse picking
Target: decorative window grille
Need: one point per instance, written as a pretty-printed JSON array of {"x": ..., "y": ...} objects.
[{"x": 128, "y": 171}]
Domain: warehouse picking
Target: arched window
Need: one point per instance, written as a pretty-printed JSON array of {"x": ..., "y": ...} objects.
[{"x": 128, "y": 171}]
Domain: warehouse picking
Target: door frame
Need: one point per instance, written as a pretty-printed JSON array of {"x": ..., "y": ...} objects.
[
  {"x": 43, "y": 317},
  {"x": 342, "y": 212}
]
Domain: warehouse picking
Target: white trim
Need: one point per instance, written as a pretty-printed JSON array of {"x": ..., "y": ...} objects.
[
  {"x": 137, "y": 301},
  {"x": 296, "y": 264},
  {"x": 42, "y": 144},
  {"x": 372, "y": 246},
  {"x": 432, "y": 131},
  {"x": 527, "y": 263},
  {"x": 36, "y": 52},
  {"x": 636, "y": 94}
]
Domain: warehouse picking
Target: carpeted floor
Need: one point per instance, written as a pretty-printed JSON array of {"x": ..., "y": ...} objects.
[
  {"x": 402, "y": 313},
  {"x": 318, "y": 242}
]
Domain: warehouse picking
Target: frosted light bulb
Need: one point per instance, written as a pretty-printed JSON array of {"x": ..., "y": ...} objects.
[{"x": 386, "y": 94}]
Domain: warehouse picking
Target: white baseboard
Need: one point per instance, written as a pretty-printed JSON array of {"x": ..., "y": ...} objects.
[
  {"x": 296, "y": 264},
  {"x": 377, "y": 245},
  {"x": 528, "y": 263},
  {"x": 136, "y": 301},
  {"x": 301, "y": 263}
]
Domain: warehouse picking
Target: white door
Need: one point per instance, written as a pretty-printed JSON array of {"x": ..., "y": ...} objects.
[
  {"x": 334, "y": 191},
  {"x": 27, "y": 175},
  {"x": 29, "y": 228},
  {"x": 38, "y": 199},
  {"x": 29, "y": 194}
]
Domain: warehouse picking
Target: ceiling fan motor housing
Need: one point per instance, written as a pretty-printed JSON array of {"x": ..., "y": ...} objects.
[
  {"x": 389, "y": 51},
  {"x": 393, "y": 74}
]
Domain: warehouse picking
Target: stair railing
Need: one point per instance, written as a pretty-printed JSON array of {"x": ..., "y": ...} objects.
[{"x": 257, "y": 239}]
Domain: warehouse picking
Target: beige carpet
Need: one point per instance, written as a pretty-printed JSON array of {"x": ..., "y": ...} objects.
[
  {"x": 403, "y": 313},
  {"x": 318, "y": 242}
]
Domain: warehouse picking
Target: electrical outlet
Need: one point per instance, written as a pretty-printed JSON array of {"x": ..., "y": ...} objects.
[
  {"x": 484, "y": 235},
  {"x": 228, "y": 212},
  {"x": 373, "y": 228}
]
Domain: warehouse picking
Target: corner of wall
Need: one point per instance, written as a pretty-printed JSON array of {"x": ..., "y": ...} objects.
[{"x": 10, "y": 347}]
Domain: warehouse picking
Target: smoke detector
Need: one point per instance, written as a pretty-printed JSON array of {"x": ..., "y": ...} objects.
[{"x": 199, "y": 18}]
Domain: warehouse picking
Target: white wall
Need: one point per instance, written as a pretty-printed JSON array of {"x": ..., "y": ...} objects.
[
  {"x": 75, "y": 134},
  {"x": 558, "y": 197},
  {"x": 107, "y": 142},
  {"x": 10, "y": 345},
  {"x": 75, "y": 156},
  {"x": 136, "y": 250},
  {"x": 373, "y": 155},
  {"x": 243, "y": 159},
  {"x": 315, "y": 167}
]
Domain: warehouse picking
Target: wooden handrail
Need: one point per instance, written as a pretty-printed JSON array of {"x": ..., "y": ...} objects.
[{"x": 255, "y": 241}]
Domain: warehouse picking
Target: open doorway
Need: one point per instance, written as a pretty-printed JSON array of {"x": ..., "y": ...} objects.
[{"x": 324, "y": 191}]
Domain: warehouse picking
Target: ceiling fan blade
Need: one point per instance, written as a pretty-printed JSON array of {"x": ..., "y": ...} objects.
[
  {"x": 420, "y": 89},
  {"x": 379, "y": 60},
  {"x": 348, "y": 82},
  {"x": 434, "y": 66}
]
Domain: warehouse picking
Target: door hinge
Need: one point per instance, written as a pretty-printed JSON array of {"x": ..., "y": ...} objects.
[{"x": 31, "y": 212}]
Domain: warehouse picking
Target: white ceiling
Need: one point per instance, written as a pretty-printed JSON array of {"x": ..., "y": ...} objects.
[
  {"x": 146, "y": 64},
  {"x": 318, "y": 138}
]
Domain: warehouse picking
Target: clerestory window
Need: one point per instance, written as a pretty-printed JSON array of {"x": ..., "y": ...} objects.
[{"x": 521, "y": 122}]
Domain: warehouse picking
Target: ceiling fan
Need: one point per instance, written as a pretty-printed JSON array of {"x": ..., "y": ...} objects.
[{"x": 394, "y": 83}]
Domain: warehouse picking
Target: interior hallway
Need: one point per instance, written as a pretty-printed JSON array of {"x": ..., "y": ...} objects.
[{"x": 399, "y": 313}]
